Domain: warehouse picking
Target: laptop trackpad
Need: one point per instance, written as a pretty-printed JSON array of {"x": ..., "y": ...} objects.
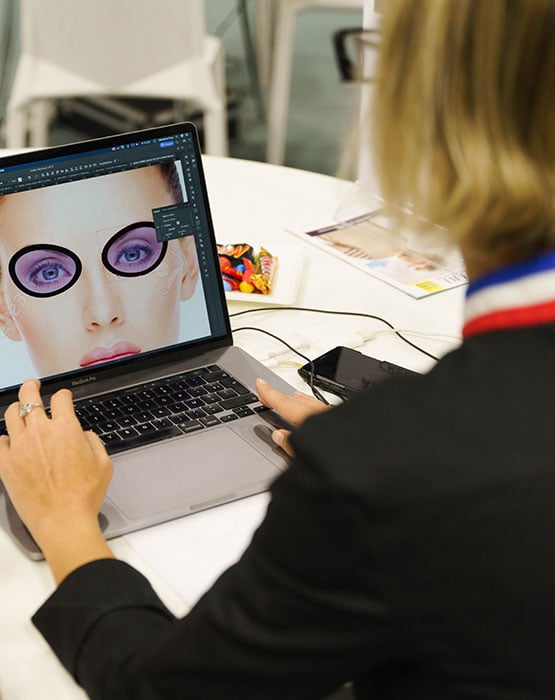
[{"x": 183, "y": 476}]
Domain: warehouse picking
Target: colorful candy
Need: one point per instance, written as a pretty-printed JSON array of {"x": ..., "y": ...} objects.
[
  {"x": 246, "y": 287},
  {"x": 265, "y": 269},
  {"x": 242, "y": 270}
]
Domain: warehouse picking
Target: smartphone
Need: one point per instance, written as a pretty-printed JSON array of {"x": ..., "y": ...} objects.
[{"x": 345, "y": 372}]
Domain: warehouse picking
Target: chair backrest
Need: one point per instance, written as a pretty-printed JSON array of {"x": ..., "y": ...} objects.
[{"x": 113, "y": 42}]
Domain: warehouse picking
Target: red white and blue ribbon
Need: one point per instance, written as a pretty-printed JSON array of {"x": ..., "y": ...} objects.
[{"x": 515, "y": 296}]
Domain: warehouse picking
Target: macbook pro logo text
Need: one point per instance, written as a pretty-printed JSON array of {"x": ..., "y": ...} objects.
[{"x": 83, "y": 380}]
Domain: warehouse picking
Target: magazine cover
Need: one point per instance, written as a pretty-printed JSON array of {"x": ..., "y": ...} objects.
[{"x": 418, "y": 265}]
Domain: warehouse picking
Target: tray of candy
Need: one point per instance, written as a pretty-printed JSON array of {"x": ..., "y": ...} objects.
[{"x": 285, "y": 278}]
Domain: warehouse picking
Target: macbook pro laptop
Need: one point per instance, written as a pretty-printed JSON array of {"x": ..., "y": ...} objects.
[{"x": 110, "y": 285}]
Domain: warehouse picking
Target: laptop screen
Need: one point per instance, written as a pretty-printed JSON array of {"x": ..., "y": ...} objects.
[{"x": 107, "y": 255}]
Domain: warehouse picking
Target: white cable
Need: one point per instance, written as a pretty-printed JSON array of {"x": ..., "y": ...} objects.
[
  {"x": 281, "y": 363},
  {"x": 409, "y": 331}
]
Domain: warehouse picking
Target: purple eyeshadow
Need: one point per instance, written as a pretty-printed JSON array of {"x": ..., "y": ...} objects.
[
  {"x": 44, "y": 270},
  {"x": 134, "y": 251}
]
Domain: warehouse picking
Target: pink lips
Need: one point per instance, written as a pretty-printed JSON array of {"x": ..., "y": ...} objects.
[{"x": 117, "y": 350}]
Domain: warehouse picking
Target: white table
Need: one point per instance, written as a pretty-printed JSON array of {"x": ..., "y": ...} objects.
[{"x": 251, "y": 202}]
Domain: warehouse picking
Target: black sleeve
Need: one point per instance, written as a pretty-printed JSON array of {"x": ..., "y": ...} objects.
[{"x": 301, "y": 612}]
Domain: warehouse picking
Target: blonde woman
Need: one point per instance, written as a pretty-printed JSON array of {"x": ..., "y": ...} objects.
[{"x": 420, "y": 567}]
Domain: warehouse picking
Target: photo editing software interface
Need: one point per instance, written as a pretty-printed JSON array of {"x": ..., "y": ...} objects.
[{"x": 133, "y": 214}]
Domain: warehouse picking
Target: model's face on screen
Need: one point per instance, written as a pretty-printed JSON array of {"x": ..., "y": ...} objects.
[{"x": 86, "y": 285}]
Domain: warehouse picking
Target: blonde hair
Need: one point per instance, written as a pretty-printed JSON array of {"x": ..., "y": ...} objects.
[{"x": 464, "y": 119}]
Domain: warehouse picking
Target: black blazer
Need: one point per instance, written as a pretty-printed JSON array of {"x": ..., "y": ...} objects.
[{"x": 409, "y": 548}]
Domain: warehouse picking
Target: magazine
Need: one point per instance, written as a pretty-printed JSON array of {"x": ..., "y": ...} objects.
[{"x": 416, "y": 264}]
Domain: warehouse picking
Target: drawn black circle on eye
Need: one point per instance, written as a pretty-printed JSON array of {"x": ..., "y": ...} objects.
[
  {"x": 44, "y": 270},
  {"x": 134, "y": 250}
]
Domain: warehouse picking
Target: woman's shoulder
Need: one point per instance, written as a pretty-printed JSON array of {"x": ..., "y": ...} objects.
[{"x": 453, "y": 425}]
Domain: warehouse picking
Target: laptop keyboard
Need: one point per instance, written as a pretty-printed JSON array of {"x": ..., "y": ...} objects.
[{"x": 154, "y": 411}]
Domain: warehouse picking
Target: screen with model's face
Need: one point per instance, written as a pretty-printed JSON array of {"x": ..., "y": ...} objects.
[{"x": 97, "y": 270}]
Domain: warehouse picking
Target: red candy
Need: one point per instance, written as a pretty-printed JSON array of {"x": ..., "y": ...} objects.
[{"x": 240, "y": 269}]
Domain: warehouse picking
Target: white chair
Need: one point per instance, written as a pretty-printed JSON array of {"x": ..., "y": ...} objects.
[
  {"x": 282, "y": 63},
  {"x": 118, "y": 48}
]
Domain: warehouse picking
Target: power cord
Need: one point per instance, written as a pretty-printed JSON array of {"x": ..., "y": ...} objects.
[
  {"x": 310, "y": 382},
  {"x": 340, "y": 313},
  {"x": 446, "y": 337}
]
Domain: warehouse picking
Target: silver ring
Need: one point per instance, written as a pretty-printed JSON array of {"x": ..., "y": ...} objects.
[{"x": 26, "y": 408}]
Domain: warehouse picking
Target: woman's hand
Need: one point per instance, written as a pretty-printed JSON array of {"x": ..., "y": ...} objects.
[
  {"x": 56, "y": 476},
  {"x": 295, "y": 409}
]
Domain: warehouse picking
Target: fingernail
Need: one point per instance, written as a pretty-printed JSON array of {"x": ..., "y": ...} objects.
[
  {"x": 278, "y": 437},
  {"x": 260, "y": 381}
]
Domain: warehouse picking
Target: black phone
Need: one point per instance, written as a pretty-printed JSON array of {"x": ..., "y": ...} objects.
[{"x": 345, "y": 372}]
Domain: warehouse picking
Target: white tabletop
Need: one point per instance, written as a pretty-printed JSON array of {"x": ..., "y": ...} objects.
[{"x": 252, "y": 202}]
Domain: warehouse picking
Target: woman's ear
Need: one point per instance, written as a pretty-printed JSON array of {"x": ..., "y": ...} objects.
[
  {"x": 7, "y": 322},
  {"x": 190, "y": 268}
]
